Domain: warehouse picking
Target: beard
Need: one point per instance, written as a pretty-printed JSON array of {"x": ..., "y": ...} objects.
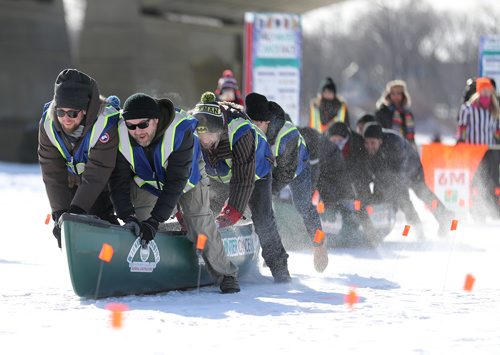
[{"x": 145, "y": 142}]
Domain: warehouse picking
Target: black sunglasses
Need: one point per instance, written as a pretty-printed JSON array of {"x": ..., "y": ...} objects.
[
  {"x": 71, "y": 114},
  {"x": 142, "y": 125}
]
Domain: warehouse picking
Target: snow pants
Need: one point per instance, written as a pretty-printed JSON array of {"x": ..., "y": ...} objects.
[{"x": 264, "y": 221}]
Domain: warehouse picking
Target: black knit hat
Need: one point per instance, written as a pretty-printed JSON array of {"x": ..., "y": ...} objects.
[
  {"x": 373, "y": 130},
  {"x": 276, "y": 111},
  {"x": 328, "y": 84},
  {"x": 257, "y": 107},
  {"x": 365, "y": 119},
  {"x": 73, "y": 89},
  {"x": 208, "y": 113},
  {"x": 140, "y": 106},
  {"x": 338, "y": 129}
]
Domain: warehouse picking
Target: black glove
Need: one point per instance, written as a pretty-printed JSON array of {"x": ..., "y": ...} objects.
[
  {"x": 149, "y": 227},
  {"x": 56, "y": 231},
  {"x": 133, "y": 224},
  {"x": 76, "y": 210},
  {"x": 57, "y": 234}
]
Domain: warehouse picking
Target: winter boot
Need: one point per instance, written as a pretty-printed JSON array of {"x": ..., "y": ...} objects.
[
  {"x": 229, "y": 284},
  {"x": 280, "y": 272},
  {"x": 320, "y": 253}
]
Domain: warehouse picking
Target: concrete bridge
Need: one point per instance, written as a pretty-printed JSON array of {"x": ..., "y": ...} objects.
[{"x": 175, "y": 48}]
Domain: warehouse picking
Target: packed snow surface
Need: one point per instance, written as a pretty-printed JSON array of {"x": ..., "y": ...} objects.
[{"x": 411, "y": 296}]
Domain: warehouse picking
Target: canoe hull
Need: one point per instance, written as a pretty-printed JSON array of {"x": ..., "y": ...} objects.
[{"x": 170, "y": 261}]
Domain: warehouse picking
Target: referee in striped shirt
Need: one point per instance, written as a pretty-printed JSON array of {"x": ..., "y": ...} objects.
[{"x": 479, "y": 118}]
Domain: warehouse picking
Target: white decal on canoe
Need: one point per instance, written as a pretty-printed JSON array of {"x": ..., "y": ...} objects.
[
  {"x": 239, "y": 245},
  {"x": 144, "y": 262}
]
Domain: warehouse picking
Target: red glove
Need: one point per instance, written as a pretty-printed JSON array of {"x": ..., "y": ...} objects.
[
  {"x": 228, "y": 216},
  {"x": 181, "y": 221}
]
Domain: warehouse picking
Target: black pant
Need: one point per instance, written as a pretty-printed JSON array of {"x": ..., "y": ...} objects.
[
  {"x": 264, "y": 222},
  {"x": 302, "y": 199},
  {"x": 263, "y": 219},
  {"x": 423, "y": 192},
  {"x": 486, "y": 181},
  {"x": 394, "y": 189}
]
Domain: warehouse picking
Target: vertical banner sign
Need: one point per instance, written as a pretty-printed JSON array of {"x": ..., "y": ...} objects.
[
  {"x": 489, "y": 57},
  {"x": 273, "y": 58}
]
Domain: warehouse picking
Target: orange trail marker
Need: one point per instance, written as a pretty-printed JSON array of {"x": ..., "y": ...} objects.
[
  {"x": 351, "y": 298},
  {"x": 200, "y": 245},
  {"x": 434, "y": 204},
  {"x": 106, "y": 253},
  {"x": 319, "y": 236},
  {"x": 406, "y": 230},
  {"x": 497, "y": 191},
  {"x": 47, "y": 219},
  {"x": 321, "y": 207},
  {"x": 315, "y": 198},
  {"x": 116, "y": 313},
  {"x": 357, "y": 205},
  {"x": 201, "y": 241},
  {"x": 454, "y": 224},
  {"x": 469, "y": 282}
]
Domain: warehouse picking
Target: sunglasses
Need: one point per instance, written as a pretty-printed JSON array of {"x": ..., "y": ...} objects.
[
  {"x": 142, "y": 125},
  {"x": 71, "y": 114}
]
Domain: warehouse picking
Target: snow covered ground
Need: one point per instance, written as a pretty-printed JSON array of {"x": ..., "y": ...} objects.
[{"x": 411, "y": 296}]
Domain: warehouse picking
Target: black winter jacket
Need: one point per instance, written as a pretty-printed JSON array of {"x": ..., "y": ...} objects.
[{"x": 177, "y": 173}]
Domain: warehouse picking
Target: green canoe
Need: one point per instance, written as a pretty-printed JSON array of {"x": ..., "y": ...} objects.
[{"x": 170, "y": 261}]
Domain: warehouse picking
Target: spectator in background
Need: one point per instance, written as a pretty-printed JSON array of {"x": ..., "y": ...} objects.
[
  {"x": 479, "y": 123},
  {"x": 227, "y": 88},
  {"x": 479, "y": 117},
  {"x": 326, "y": 108},
  {"x": 393, "y": 110}
]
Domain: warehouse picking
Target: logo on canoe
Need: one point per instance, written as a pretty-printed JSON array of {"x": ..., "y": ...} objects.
[
  {"x": 239, "y": 246},
  {"x": 143, "y": 259}
]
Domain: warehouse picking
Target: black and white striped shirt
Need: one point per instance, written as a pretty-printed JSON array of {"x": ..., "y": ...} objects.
[{"x": 477, "y": 124}]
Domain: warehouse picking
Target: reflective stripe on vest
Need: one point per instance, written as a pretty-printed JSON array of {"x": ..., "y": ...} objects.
[
  {"x": 289, "y": 131},
  {"x": 150, "y": 178},
  {"x": 263, "y": 154},
  {"x": 76, "y": 162},
  {"x": 315, "y": 119},
  {"x": 236, "y": 129}
]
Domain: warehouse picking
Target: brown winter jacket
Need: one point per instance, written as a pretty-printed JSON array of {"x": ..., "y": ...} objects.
[{"x": 63, "y": 188}]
